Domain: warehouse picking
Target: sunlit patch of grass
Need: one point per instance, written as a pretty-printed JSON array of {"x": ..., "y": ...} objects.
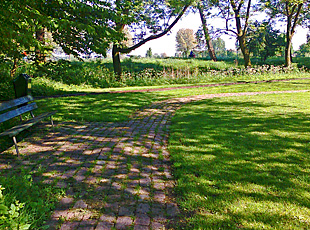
[
  {"x": 243, "y": 162},
  {"x": 119, "y": 106}
]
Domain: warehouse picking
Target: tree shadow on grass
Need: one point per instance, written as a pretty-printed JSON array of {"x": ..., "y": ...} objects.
[
  {"x": 103, "y": 107},
  {"x": 243, "y": 164}
]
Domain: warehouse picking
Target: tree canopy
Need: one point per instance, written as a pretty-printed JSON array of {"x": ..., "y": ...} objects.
[{"x": 76, "y": 26}]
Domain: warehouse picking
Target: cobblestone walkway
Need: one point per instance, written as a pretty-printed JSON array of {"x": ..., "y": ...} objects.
[{"x": 117, "y": 175}]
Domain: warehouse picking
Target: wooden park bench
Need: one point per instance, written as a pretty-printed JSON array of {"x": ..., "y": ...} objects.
[{"x": 17, "y": 107}]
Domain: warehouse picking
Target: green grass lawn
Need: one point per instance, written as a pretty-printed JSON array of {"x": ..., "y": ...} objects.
[
  {"x": 243, "y": 163},
  {"x": 119, "y": 106}
]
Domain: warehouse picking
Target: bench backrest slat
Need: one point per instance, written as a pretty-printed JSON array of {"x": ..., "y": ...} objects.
[
  {"x": 16, "y": 102},
  {"x": 16, "y": 112}
]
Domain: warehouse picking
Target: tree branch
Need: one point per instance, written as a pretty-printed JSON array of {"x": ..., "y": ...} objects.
[
  {"x": 229, "y": 30},
  {"x": 240, "y": 5},
  {"x": 152, "y": 37},
  {"x": 296, "y": 18},
  {"x": 246, "y": 24}
]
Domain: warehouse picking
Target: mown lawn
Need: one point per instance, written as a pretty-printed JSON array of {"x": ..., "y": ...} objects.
[
  {"x": 243, "y": 163},
  {"x": 119, "y": 106}
]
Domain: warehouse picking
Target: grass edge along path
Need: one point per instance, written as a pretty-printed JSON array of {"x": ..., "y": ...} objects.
[{"x": 243, "y": 163}]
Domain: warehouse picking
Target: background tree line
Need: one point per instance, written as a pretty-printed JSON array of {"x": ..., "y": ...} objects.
[
  {"x": 81, "y": 27},
  {"x": 254, "y": 38}
]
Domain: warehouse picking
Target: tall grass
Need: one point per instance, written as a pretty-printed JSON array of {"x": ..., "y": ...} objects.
[{"x": 59, "y": 77}]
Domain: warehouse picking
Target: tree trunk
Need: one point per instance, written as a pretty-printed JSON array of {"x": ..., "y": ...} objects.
[
  {"x": 288, "y": 44},
  {"x": 116, "y": 61},
  {"x": 14, "y": 67},
  {"x": 207, "y": 35},
  {"x": 245, "y": 51},
  {"x": 292, "y": 22},
  {"x": 40, "y": 57},
  {"x": 288, "y": 57},
  {"x": 241, "y": 33}
]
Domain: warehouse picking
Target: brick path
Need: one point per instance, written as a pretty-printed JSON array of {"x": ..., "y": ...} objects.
[{"x": 117, "y": 175}]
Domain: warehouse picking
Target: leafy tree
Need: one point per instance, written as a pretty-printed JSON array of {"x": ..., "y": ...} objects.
[
  {"x": 149, "y": 19},
  {"x": 265, "y": 41},
  {"x": 294, "y": 13},
  {"x": 163, "y": 55},
  {"x": 304, "y": 49},
  {"x": 149, "y": 53},
  {"x": 186, "y": 41},
  {"x": 219, "y": 47},
  {"x": 239, "y": 11},
  {"x": 77, "y": 26}
]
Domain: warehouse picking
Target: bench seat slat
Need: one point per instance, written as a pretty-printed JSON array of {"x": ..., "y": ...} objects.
[
  {"x": 19, "y": 128},
  {"x": 16, "y": 112},
  {"x": 16, "y": 102}
]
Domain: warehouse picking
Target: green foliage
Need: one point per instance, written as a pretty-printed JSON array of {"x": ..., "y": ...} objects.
[
  {"x": 304, "y": 50},
  {"x": 219, "y": 47},
  {"x": 264, "y": 41},
  {"x": 25, "y": 204},
  {"x": 9, "y": 215},
  {"x": 6, "y": 82},
  {"x": 62, "y": 77},
  {"x": 77, "y": 26}
]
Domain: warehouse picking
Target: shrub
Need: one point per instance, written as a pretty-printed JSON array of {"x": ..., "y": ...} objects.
[{"x": 25, "y": 204}]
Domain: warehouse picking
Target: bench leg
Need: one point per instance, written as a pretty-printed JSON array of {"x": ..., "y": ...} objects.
[{"x": 16, "y": 147}]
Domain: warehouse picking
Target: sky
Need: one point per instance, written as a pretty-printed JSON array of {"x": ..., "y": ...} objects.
[{"x": 167, "y": 43}]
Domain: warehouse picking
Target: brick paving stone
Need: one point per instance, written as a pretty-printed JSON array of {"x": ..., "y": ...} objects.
[
  {"x": 159, "y": 196},
  {"x": 69, "y": 226},
  {"x": 87, "y": 224},
  {"x": 172, "y": 210},
  {"x": 143, "y": 208},
  {"x": 141, "y": 227},
  {"x": 72, "y": 215},
  {"x": 123, "y": 222},
  {"x": 65, "y": 202},
  {"x": 104, "y": 226},
  {"x": 157, "y": 226},
  {"x": 80, "y": 204},
  {"x": 142, "y": 219},
  {"x": 126, "y": 211},
  {"x": 108, "y": 218},
  {"x": 111, "y": 207}
]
